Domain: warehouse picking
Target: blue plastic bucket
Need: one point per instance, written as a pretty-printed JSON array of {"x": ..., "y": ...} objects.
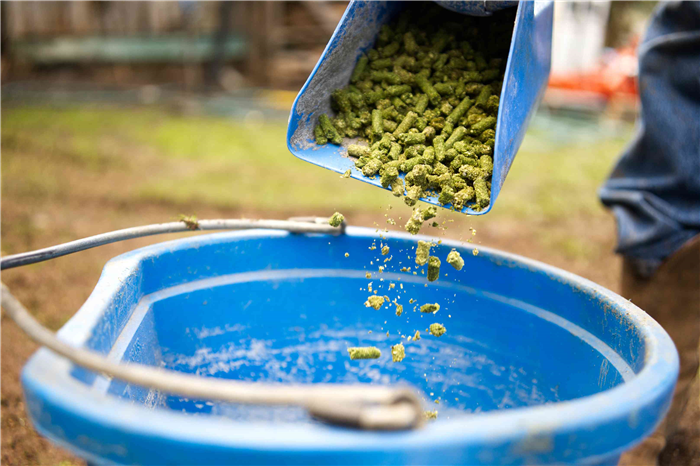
[{"x": 537, "y": 365}]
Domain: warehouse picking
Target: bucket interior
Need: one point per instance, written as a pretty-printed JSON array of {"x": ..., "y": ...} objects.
[{"x": 284, "y": 309}]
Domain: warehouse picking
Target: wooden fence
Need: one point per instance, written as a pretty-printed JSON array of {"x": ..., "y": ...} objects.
[
  {"x": 76, "y": 18},
  {"x": 271, "y": 43}
]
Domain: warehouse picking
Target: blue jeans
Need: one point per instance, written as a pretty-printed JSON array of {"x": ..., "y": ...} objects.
[{"x": 654, "y": 190}]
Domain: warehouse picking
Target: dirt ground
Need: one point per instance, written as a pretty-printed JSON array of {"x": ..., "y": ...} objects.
[{"x": 51, "y": 195}]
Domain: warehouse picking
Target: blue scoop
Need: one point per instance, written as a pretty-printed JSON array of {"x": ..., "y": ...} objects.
[{"x": 526, "y": 75}]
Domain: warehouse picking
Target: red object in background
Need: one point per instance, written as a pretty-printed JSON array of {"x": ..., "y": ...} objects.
[{"x": 615, "y": 77}]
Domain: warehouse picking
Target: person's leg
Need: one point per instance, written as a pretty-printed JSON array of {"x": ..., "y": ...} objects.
[
  {"x": 654, "y": 189},
  {"x": 672, "y": 297},
  {"x": 654, "y": 192}
]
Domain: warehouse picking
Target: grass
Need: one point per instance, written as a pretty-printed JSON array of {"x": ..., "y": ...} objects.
[
  {"x": 186, "y": 161},
  {"x": 548, "y": 180},
  {"x": 173, "y": 159},
  {"x": 129, "y": 157}
]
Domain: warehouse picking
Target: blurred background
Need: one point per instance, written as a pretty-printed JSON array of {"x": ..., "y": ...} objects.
[{"x": 116, "y": 114}]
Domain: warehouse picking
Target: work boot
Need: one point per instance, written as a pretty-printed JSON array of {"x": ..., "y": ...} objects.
[{"x": 672, "y": 297}]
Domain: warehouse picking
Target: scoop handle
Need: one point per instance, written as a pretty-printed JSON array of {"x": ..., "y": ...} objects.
[
  {"x": 478, "y": 8},
  {"x": 360, "y": 406}
]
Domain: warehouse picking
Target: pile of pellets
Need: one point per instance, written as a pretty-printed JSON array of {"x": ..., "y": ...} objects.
[{"x": 425, "y": 100}]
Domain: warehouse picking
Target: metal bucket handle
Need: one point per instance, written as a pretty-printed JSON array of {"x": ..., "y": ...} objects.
[{"x": 360, "y": 406}]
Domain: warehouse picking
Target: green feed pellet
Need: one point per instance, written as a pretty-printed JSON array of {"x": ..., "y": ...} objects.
[
  {"x": 433, "y": 268},
  {"x": 398, "y": 352},
  {"x": 430, "y": 308},
  {"x": 423, "y": 252},
  {"x": 455, "y": 260},
  {"x": 330, "y": 132},
  {"x": 364, "y": 352},
  {"x": 375, "y": 301},
  {"x": 423, "y": 106},
  {"x": 414, "y": 222},
  {"x": 437, "y": 330},
  {"x": 190, "y": 221},
  {"x": 336, "y": 219},
  {"x": 430, "y": 415}
]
